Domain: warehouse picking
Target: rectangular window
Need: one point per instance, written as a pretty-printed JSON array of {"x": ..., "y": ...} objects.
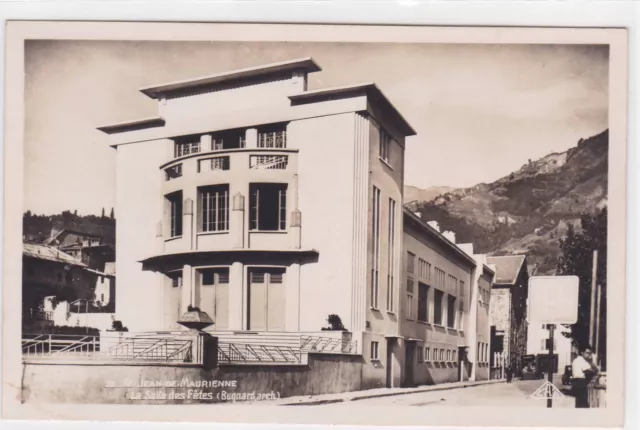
[
  {"x": 437, "y": 307},
  {"x": 411, "y": 258},
  {"x": 375, "y": 266},
  {"x": 423, "y": 302},
  {"x": 214, "y": 208},
  {"x": 272, "y": 137},
  {"x": 409, "y": 306},
  {"x": 214, "y": 164},
  {"x": 448, "y": 355},
  {"x": 176, "y": 279},
  {"x": 420, "y": 355},
  {"x": 268, "y": 206},
  {"x": 451, "y": 311},
  {"x": 454, "y": 356},
  {"x": 427, "y": 354},
  {"x": 385, "y": 143},
  {"x": 173, "y": 172},
  {"x": 442, "y": 355},
  {"x": 409, "y": 285},
  {"x": 215, "y": 276},
  {"x": 190, "y": 146},
  {"x": 175, "y": 213},
  {"x": 439, "y": 278},
  {"x": 269, "y": 162},
  {"x": 391, "y": 257},
  {"x": 461, "y": 293},
  {"x": 374, "y": 351},
  {"x": 424, "y": 269}
]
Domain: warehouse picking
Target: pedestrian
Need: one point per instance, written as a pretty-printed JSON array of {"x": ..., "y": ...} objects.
[
  {"x": 509, "y": 374},
  {"x": 582, "y": 370}
]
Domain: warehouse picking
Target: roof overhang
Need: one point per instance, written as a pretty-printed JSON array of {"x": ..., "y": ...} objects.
[
  {"x": 138, "y": 124},
  {"x": 168, "y": 262},
  {"x": 369, "y": 89},
  {"x": 157, "y": 91}
]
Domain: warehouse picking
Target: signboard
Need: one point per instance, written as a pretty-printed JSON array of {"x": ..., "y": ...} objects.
[
  {"x": 547, "y": 391},
  {"x": 553, "y": 300}
]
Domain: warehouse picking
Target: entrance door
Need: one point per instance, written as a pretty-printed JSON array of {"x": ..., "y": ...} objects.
[
  {"x": 463, "y": 364},
  {"x": 410, "y": 358},
  {"x": 214, "y": 296},
  {"x": 389, "y": 374},
  {"x": 266, "y": 300}
]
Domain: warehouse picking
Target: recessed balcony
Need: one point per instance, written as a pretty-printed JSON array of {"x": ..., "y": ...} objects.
[{"x": 253, "y": 164}]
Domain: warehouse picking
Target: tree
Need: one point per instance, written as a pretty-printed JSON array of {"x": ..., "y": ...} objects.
[
  {"x": 577, "y": 259},
  {"x": 335, "y": 323},
  {"x": 112, "y": 215},
  {"x": 103, "y": 213}
]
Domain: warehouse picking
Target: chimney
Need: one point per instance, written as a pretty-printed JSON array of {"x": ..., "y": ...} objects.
[
  {"x": 451, "y": 236},
  {"x": 466, "y": 247},
  {"x": 418, "y": 214},
  {"x": 435, "y": 225}
]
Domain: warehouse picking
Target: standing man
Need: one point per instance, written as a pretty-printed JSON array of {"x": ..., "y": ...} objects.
[
  {"x": 582, "y": 370},
  {"x": 509, "y": 373}
]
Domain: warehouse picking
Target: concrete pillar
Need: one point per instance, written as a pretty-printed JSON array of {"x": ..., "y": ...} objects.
[
  {"x": 187, "y": 289},
  {"x": 236, "y": 293},
  {"x": 296, "y": 227},
  {"x": 187, "y": 223},
  {"x": 471, "y": 331},
  {"x": 205, "y": 143},
  {"x": 292, "y": 298},
  {"x": 237, "y": 220},
  {"x": 251, "y": 137}
]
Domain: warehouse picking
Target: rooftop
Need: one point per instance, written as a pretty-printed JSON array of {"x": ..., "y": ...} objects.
[
  {"x": 48, "y": 253},
  {"x": 156, "y": 91},
  {"x": 507, "y": 268},
  {"x": 369, "y": 89}
]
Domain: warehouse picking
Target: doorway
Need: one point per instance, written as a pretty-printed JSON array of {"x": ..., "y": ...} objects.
[
  {"x": 409, "y": 362},
  {"x": 266, "y": 299}
]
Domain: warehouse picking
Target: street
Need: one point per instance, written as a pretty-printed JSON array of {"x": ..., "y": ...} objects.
[{"x": 515, "y": 394}]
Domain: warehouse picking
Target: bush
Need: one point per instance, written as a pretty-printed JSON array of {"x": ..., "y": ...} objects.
[{"x": 335, "y": 323}]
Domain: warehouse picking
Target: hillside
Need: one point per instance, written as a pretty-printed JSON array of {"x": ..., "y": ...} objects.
[
  {"x": 528, "y": 210},
  {"x": 415, "y": 194},
  {"x": 39, "y": 228}
]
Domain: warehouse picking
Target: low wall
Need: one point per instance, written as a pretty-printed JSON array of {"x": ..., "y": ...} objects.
[{"x": 110, "y": 382}]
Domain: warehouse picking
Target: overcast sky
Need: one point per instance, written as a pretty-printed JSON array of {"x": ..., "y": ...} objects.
[{"x": 480, "y": 111}]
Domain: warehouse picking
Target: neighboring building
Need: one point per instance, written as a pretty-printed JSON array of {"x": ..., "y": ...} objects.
[
  {"x": 509, "y": 309},
  {"x": 537, "y": 336},
  {"x": 91, "y": 249},
  {"x": 444, "y": 324}
]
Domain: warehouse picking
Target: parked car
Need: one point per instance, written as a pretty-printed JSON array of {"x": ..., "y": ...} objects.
[{"x": 566, "y": 377}]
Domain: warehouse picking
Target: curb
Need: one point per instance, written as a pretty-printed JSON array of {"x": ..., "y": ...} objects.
[{"x": 365, "y": 396}]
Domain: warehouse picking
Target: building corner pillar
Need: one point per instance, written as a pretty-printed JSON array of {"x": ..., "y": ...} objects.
[
  {"x": 251, "y": 138},
  {"x": 292, "y": 298},
  {"x": 236, "y": 293},
  {"x": 237, "y": 221},
  {"x": 187, "y": 223}
]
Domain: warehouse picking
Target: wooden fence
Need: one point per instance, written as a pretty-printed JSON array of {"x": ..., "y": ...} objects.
[{"x": 597, "y": 390}]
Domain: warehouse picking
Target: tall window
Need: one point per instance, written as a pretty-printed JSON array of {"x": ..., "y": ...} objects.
[
  {"x": 274, "y": 136},
  {"x": 427, "y": 354},
  {"x": 424, "y": 269},
  {"x": 423, "y": 302},
  {"x": 375, "y": 267},
  {"x": 374, "y": 351},
  {"x": 451, "y": 311},
  {"x": 385, "y": 143},
  {"x": 188, "y": 146},
  {"x": 461, "y": 306},
  {"x": 420, "y": 355},
  {"x": 437, "y": 306},
  {"x": 411, "y": 258},
  {"x": 439, "y": 278},
  {"x": 268, "y": 205},
  {"x": 392, "y": 255},
  {"x": 174, "y": 201},
  {"x": 214, "y": 208},
  {"x": 409, "y": 305}
]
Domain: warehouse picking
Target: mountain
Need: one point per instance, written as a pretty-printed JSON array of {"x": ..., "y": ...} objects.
[
  {"x": 415, "y": 194},
  {"x": 529, "y": 209}
]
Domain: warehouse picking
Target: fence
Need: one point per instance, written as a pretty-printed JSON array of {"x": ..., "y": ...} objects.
[
  {"x": 597, "y": 390},
  {"x": 165, "y": 349}
]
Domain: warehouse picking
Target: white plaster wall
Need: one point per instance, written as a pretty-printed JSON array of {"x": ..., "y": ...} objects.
[
  {"x": 139, "y": 204},
  {"x": 326, "y": 163}
]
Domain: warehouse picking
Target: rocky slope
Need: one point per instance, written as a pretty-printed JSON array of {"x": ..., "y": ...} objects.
[{"x": 529, "y": 209}]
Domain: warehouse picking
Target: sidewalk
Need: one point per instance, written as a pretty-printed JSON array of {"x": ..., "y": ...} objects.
[{"x": 376, "y": 392}]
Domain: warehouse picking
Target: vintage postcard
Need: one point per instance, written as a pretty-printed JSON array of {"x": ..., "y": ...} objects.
[{"x": 323, "y": 224}]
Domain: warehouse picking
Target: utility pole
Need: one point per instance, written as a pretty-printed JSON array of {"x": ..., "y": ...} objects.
[
  {"x": 592, "y": 306},
  {"x": 597, "y": 325},
  {"x": 550, "y": 372}
]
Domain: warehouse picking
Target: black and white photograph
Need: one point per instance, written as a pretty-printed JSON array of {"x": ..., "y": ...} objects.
[{"x": 417, "y": 223}]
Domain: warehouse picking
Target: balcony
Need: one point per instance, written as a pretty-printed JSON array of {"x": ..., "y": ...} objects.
[{"x": 252, "y": 164}]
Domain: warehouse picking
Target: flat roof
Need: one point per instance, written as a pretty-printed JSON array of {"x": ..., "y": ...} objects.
[
  {"x": 307, "y": 64},
  {"x": 137, "y": 124},
  {"x": 370, "y": 89}
]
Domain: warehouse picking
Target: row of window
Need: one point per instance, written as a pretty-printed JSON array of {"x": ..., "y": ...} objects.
[
  {"x": 273, "y": 136},
  {"x": 263, "y": 162},
  {"x": 428, "y": 354},
  {"x": 220, "y": 275},
  {"x": 482, "y": 354},
  {"x": 391, "y": 246},
  {"x": 267, "y": 208},
  {"x": 454, "y": 314}
]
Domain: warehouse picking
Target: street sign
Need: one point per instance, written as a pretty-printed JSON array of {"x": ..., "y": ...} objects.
[
  {"x": 553, "y": 300},
  {"x": 547, "y": 391}
]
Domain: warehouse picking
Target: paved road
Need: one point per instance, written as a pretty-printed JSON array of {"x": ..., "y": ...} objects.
[{"x": 515, "y": 394}]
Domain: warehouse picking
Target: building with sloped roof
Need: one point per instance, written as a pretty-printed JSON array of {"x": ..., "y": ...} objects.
[{"x": 508, "y": 310}]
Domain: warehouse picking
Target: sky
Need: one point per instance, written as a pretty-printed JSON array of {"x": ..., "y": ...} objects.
[{"x": 480, "y": 111}]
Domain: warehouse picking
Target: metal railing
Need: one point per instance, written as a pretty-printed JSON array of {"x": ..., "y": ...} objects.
[
  {"x": 271, "y": 162},
  {"x": 214, "y": 164},
  {"x": 173, "y": 172},
  {"x": 165, "y": 349},
  {"x": 328, "y": 345},
  {"x": 252, "y": 353}
]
